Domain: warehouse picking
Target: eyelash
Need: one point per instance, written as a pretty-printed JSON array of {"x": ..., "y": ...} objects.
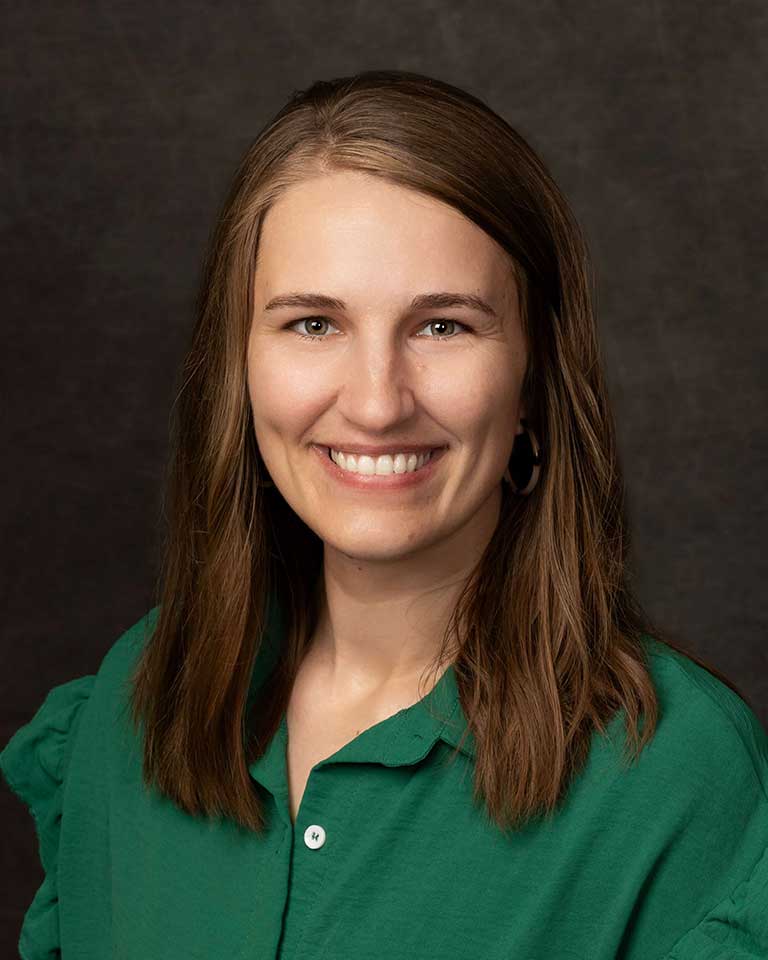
[{"x": 306, "y": 336}]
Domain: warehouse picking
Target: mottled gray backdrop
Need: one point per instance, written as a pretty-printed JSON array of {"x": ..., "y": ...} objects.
[{"x": 122, "y": 125}]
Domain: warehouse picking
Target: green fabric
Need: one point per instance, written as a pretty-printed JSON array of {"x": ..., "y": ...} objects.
[{"x": 664, "y": 860}]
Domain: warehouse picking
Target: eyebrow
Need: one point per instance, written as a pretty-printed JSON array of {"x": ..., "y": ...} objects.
[{"x": 425, "y": 301}]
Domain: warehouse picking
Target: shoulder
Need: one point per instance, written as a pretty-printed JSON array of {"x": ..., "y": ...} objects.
[
  {"x": 126, "y": 648},
  {"x": 711, "y": 762},
  {"x": 72, "y": 714},
  {"x": 72, "y": 703},
  {"x": 691, "y": 815},
  {"x": 55, "y": 764},
  {"x": 122, "y": 656},
  {"x": 704, "y": 726},
  {"x": 110, "y": 740}
]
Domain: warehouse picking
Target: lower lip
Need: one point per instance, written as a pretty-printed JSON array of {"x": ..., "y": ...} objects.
[{"x": 392, "y": 481}]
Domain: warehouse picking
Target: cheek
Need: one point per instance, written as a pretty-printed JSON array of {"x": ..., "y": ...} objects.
[
  {"x": 480, "y": 399},
  {"x": 283, "y": 395}
]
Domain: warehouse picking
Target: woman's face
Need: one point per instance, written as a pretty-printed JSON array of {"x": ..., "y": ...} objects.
[{"x": 372, "y": 369}]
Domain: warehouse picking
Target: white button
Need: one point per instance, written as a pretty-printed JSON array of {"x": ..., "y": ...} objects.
[{"x": 314, "y": 836}]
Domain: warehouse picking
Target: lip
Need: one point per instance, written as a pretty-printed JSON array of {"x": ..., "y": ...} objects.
[
  {"x": 372, "y": 451},
  {"x": 394, "y": 481}
]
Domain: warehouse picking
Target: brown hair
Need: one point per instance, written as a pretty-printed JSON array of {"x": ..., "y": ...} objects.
[{"x": 547, "y": 629}]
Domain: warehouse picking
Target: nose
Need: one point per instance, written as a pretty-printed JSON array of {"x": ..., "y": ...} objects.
[{"x": 379, "y": 384}]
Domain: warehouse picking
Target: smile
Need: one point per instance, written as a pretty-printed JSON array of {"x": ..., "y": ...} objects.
[
  {"x": 398, "y": 472},
  {"x": 383, "y": 465}
]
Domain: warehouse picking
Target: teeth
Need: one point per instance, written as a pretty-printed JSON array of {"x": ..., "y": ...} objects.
[{"x": 387, "y": 464}]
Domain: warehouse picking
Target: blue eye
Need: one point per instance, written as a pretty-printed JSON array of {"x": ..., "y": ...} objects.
[{"x": 325, "y": 320}]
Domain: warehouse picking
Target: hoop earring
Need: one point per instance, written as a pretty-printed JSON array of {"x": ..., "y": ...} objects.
[{"x": 522, "y": 473}]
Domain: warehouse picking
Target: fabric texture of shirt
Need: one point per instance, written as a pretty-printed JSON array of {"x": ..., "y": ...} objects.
[{"x": 389, "y": 858}]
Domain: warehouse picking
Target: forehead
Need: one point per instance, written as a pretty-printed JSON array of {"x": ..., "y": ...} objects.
[{"x": 361, "y": 233}]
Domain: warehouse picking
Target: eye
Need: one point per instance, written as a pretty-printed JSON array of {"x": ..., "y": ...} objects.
[
  {"x": 443, "y": 322},
  {"x": 429, "y": 323},
  {"x": 308, "y": 320}
]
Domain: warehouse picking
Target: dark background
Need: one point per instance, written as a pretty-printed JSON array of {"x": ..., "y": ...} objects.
[{"x": 122, "y": 126}]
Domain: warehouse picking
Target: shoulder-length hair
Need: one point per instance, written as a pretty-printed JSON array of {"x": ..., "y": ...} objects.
[{"x": 548, "y": 632}]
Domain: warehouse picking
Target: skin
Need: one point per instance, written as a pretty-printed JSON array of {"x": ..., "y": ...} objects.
[{"x": 394, "y": 562}]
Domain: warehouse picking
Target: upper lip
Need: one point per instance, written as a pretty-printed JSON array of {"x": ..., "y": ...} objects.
[{"x": 376, "y": 451}]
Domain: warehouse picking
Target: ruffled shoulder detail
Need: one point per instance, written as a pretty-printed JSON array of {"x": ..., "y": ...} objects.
[
  {"x": 737, "y": 928},
  {"x": 34, "y": 763}
]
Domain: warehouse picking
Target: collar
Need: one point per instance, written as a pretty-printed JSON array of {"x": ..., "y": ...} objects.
[{"x": 402, "y": 739}]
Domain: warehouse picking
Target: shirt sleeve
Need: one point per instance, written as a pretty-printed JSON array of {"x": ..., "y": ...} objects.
[
  {"x": 34, "y": 763},
  {"x": 736, "y": 928},
  {"x": 735, "y": 925}
]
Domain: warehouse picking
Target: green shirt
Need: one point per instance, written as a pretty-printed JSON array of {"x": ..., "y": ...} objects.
[{"x": 389, "y": 858}]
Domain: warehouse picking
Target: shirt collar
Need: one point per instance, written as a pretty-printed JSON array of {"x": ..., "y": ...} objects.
[{"x": 399, "y": 740}]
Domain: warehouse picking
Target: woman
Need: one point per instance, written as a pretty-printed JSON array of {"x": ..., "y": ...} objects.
[{"x": 389, "y": 702}]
